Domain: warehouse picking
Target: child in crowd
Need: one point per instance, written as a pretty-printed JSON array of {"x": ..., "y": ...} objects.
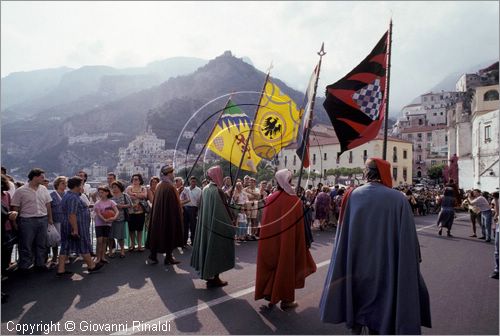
[
  {"x": 106, "y": 212},
  {"x": 242, "y": 225}
]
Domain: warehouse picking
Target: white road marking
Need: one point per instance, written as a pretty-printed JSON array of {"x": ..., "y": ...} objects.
[
  {"x": 200, "y": 307},
  {"x": 205, "y": 305}
]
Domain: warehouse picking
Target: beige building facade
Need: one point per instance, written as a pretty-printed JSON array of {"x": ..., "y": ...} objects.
[{"x": 324, "y": 147}]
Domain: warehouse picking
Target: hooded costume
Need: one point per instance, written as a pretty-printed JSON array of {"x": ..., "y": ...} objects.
[
  {"x": 283, "y": 260},
  {"x": 165, "y": 229},
  {"x": 213, "y": 248},
  {"x": 374, "y": 277}
]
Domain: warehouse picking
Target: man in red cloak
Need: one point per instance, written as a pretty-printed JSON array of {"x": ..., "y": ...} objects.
[{"x": 283, "y": 261}]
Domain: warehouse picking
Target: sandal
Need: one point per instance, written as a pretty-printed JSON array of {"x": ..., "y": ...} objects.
[
  {"x": 141, "y": 249},
  {"x": 131, "y": 249},
  {"x": 122, "y": 256}
]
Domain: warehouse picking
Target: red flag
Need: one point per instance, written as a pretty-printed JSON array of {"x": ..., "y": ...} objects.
[{"x": 356, "y": 103}]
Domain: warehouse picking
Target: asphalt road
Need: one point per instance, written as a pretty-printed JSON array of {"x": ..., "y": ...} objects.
[{"x": 128, "y": 293}]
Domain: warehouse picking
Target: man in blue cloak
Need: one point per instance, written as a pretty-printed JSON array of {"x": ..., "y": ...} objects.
[{"x": 374, "y": 278}]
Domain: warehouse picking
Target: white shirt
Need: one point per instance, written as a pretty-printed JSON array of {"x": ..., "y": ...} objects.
[
  {"x": 31, "y": 203},
  {"x": 12, "y": 189},
  {"x": 194, "y": 196},
  {"x": 481, "y": 203},
  {"x": 87, "y": 188}
]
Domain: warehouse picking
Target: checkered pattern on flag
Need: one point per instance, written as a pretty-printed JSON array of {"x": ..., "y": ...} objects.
[
  {"x": 369, "y": 99},
  {"x": 356, "y": 103}
]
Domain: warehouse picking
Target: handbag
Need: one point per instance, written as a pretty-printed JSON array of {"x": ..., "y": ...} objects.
[
  {"x": 145, "y": 206},
  {"x": 126, "y": 214},
  {"x": 10, "y": 239},
  {"x": 53, "y": 237}
]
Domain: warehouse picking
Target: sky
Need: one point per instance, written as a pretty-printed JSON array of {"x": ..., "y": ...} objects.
[{"x": 430, "y": 39}]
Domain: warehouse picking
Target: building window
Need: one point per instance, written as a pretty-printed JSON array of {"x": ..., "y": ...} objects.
[
  {"x": 420, "y": 122},
  {"x": 294, "y": 172},
  {"x": 350, "y": 157},
  {"x": 314, "y": 158},
  {"x": 324, "y": 156},
  {"x": 405, "y": 154},
  {"x": 365, "y": 155},
  {"x": 419, "y": 136},
  {"x": 405, "y": 174},
  {"x": 338, "y": 158},
  {"x": 491, "y": 95},
  {"x": 487, "y": 133},
  {"x": 324, "y": 172},
  {"x": 419, "y": 158},
  {"x": 429, "y": 136},
  {"x": 444, "y": 162},
  {"x": 433, "y": 162},
  {"x": 394, "y": 173},
  {"x": 394, "y": 154},
  {"x": 446, "y": 139},
  {"x": 286, "y": 160},
  {"x": 294, "y": 160},
  {"x": 410, "y": 136}
]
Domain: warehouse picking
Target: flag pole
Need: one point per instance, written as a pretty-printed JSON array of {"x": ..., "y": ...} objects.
[
  {"x": 186, "y": 182},
  {"x": 321, "y": 53},
  {"x": 249, "y": 134},
  {"x": 386, "y": 114}
]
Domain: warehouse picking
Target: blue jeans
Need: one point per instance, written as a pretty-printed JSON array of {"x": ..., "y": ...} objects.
[
  {"x": 32, "y": 240},
  {"x": 496, "y": 249},
  {"x": 486, "y": 224}
]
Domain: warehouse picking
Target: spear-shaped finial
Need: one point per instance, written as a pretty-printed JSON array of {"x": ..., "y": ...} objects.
[
  {"x": 270, "y": 67},
  {"x": 322, "y": 52}
]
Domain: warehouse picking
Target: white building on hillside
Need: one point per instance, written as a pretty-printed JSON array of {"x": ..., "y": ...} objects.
[{"x": 145, "y": 155}]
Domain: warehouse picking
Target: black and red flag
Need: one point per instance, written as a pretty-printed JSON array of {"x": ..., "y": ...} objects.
[{"x": 356, "y": 103}]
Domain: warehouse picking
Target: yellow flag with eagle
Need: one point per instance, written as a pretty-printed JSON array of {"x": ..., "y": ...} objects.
[
  {"x": 229, "y": 138},
  {"x": 276, "y": 122}
]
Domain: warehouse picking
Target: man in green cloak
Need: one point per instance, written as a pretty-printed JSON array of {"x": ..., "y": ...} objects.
[{"x": 213, "y": 248}]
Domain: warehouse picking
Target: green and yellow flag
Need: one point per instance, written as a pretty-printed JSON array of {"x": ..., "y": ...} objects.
[
  {"x": 276, "y": 123},
  {"x": 230, "y": 136}
]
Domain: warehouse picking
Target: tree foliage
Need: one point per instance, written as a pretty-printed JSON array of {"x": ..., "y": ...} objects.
[{"x": 436, "y": 172}]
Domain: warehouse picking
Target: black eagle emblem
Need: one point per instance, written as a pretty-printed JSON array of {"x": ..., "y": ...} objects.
[{"x": 271, "y": 127}]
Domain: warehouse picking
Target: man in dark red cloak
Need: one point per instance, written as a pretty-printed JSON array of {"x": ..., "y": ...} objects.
[{"x": 165, "y": 228}]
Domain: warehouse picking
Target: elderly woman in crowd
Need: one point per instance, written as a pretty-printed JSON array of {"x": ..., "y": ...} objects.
[
  {"x": 123, "y": 204},
  {"x": 57, "y": 212},
  {"x": 322, "y": 203},
  {"x": 138, "y": 194},
  {"x": 75, "y": 231}
]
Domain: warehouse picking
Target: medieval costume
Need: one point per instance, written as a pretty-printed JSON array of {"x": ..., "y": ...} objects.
[
  {"x": 283, "y": 260},
  {"x": 165, "y": 229},
  {"x": 213, "y": 248},
  {"x": 374, "y": 278}
]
